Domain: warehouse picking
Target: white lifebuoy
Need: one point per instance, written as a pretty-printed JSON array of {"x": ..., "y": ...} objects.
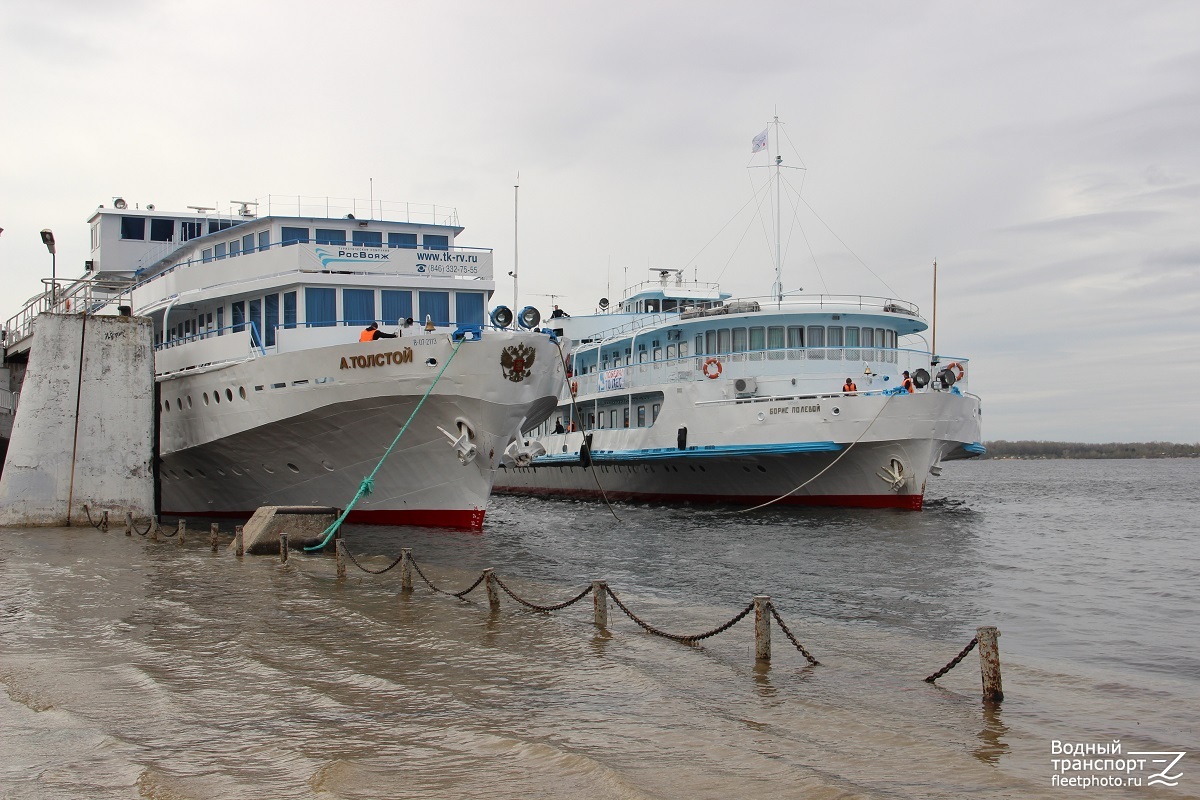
[
  {"x": 712, "y": 362},
  {"x": 959, "y": 370}
]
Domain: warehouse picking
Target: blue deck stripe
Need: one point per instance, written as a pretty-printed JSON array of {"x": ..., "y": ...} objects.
[{"x": 708, "y": 451}]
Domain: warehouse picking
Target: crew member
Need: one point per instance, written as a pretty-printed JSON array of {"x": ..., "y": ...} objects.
[
  {"x": 372, "y": 332},
  {"x": 849, "y": 387},
  {"x": 908, "y": 384},
  {"x": 558, "y": 426},
  {"x": 559, "y": 313}
]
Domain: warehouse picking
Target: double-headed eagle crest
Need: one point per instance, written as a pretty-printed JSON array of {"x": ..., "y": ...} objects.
[{"x": 516, "y": 361}]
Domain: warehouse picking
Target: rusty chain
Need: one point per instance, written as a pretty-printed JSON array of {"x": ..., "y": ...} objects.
[
  {"x": 459, "y": 595},
  {"x": 346, "y": 550},
  {"x": 675, "y": 637},
  {"x": 535, "y": 606},
  {"x": 953, "y": 662},
  {"x": 788, "y": 633}
]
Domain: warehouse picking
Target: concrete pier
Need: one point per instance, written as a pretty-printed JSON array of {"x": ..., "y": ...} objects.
[{"x": 84, "y": 429}]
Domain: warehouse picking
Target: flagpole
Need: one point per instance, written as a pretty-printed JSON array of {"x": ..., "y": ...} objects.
[{"x": 516, "y": 206}]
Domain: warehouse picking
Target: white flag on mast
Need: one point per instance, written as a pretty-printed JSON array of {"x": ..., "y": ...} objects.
[{"x": 760, "y": 142}]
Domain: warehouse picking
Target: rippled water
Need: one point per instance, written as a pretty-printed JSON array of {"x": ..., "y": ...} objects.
[{"x": 139, "y": 669}]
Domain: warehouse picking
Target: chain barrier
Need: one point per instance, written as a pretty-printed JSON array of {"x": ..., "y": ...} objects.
[
  {"x": 149, "y": 527},
  {"x": 535, "y": 606},
  {"x": 89, "y": 517},
  {"x": 429, "y": 583},
  {"x": 399, "y": 558},
  {"x": 788, "y": 633},
  {"x": 954, "y": 661},
  {"x": 676, "y": 637}
]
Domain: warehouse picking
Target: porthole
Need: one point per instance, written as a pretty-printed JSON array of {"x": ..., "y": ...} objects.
[
  {"x": 242, "y": 392},
  {"x": 200, "y": 472},
  {"x": 217, "y": 395},
  {"x": 268, "y": 469},
  {"x": 174, "y": 474},
  {"x": 206, "y": 398},
  {"x": 189, "y": 401},
  {"x": 431, "y": 362},
  {"x": 293, "y": 467},
  {"x": 835, "y": 411},
  {"x": 229, "y": 395},
  {"x": 761, "y": 468},
  {"x": 179, "y": 403},
  {"x": 167, "y": 406},
  {"x": 188, "y": 472},
  {"x": 327, "y": 466},
  {"x": 221, "y": 472},
  {"x": 236, "y": 471}
]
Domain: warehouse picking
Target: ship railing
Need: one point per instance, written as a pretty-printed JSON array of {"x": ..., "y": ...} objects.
[
  {"x": 87, "y": 295},
  {"x": 356, "y": 208}
]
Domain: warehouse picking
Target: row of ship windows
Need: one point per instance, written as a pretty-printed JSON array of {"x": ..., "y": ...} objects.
[
  {"x": 632, "y": 470},
  {"x": 237, "y": 471},
  {"x": 215, "y": 397},
  {"x": 601, "y": 416},
  {"x": 722, "y": 341},
  {"x": 358, "y": 238}
]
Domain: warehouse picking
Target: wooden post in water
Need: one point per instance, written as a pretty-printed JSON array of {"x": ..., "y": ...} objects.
[
  {"x": 154, "y": 529},
  {"x": 213, "y": 530},
  {"x": 181, "y": 532},
  {"x": 283, "y": 548},
  {"x": 489, "y": 583},
  {"x": 129, "y": 523},
  {"x": 239, "y": 548},
  {"x": 104, "y": 523},
  {"x": 340, "y": 556},
  {"x": 600, "y": 603},
  {"x": 762, "y": 627},
  {"x": 406, "y": 570},
  {"x": 989, "y": 663}
]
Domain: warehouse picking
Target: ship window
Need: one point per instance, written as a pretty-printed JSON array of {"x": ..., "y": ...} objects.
[
  {"x": 408, "y": 241},
  {"x": 271, "y": 322},
  {"x": 775, "y": 338},
  {"x": 723, "y": 341},
  {"x": 190, "y": 230},
  {"x": 880, "y": 340},
  {"x": 739, "y": 340},
  {"x": 834, "y": 333},
  {"x": 670, "y": 305},
  {"x": 248, "y": 243},
  {"x": 625, "y": 416},
  {"x": 851, "y": 336},
  {"x": 235, "y": 248},
  {"x": 289, "y": 309},
  {"x": 219, "y": 251},
  {"x": 162, "y": 230},
  {"x": 320, "y": 306},
  {"x": 256, "y": 321},
  {"x": 433, "y": 242},
  {"x": 358, "y": 306},
  {"x": 795, "y": 336},
  {"x": 133, "y": 228},
  {"x": 330, "y": 236},
  {"x": 436, "y": 306},
  {"x": 658, "y": 354},
  {"x": 397, "y": 306},
  {"x": 816, "y": 336},
  {"x": 868, "y": 337},
  {"x": 206, "y": 255},
  {"x": 264, "y": 240},
  {"x": 641, "y": 356},
  {"x": 683, "y": 348},
  {"x": 468, "y": 308},
  {"x": 220, "y": 320},
  {"x": 215, "y": 225},
  {"x": 710, "y": 342},
  {"x": 641, "y": 417},
  {"x": 612, "y": 418},
  {"x": 654, "y": 413},
  {"x": 294, "y": 235},
  {"x": 758, "y": 338},
  {"x": 616, "y": 361},
  {"x": 367, "y": 238}
]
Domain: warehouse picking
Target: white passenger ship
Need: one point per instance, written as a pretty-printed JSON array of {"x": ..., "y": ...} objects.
[
  {"x": 267, "y": 394},
  {"x": 683, "y": 394}
]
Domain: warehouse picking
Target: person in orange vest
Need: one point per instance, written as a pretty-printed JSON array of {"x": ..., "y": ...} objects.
[
  {"x": 372, "y": 332},
  {"x": 849, "y": 387},
  {"x": 908, "y": 384}
]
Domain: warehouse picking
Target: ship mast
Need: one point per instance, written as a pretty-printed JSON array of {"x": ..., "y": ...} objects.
[{"x": 777, "y": 289}]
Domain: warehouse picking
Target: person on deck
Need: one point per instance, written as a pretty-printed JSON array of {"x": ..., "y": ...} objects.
[
  {"x": 558, "y": 313},
  {"x": 558, "y": 426},
  {"x": 908, "y": 384},
  {"x": 372, "y": 332},
  {"x": 849, "y": 386}
]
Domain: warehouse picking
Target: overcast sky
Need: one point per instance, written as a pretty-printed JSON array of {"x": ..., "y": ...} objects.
[{"x": 1046, "y": 154}]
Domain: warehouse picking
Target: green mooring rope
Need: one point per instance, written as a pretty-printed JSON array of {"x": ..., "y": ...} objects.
[{"x": 368, "y": 483}]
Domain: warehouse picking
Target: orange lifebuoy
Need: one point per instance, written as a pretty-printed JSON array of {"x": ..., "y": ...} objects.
[
  {"x": 959, "y": 370},
  {"x": 711, "y": 362},
  {"x": 574, "y": 387}
]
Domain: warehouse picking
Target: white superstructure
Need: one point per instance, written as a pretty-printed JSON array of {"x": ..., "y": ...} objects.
[{"x": 267, "y": 394}]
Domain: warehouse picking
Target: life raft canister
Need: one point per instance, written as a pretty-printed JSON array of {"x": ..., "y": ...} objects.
[{"x": 712, "y": 362}]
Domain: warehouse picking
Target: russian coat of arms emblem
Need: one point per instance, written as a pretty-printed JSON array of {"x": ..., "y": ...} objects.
[{"x": 516, "y": 361}]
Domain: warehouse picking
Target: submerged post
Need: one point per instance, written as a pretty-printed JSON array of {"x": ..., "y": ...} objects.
[
  {"x": 600, "y": 604},
  {"x": 104, "y": 523},
  {"x": 239, "y": 548},
  {"x": 283, "y": 548},
  {"x": 129, "y": 523},
  {"x": 989, "y": 663},
  {"x": 213, "y": 530},
  {"x": 493, "y": 594},
  {"x": 762, "y": 627},
  {"x": 154, "y": 528},
  {"x": 181, "y": 531},
  {"x": 340, "y": 555},
  {"x": 406, "y": 584}
]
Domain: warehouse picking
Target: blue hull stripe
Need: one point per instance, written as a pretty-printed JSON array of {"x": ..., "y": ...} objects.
[
  {"x": 709, "y": 451},
  {"x": 975, "y": 447}
]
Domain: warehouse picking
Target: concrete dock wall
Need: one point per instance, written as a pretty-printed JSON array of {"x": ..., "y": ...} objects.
[{"x": 84, "y": 429}]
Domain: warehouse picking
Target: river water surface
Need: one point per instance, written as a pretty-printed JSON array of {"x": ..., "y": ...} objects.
[{"x": 136, "y": 669}]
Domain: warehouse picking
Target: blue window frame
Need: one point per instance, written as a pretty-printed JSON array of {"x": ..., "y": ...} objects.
[
  {"x": 271, "y": 306},
  {"x": 358, "y": 306},
  {"x": 248, "y": 243},
  {"x": 367, "y": 238},
  {"x": 256, "y": 318},
  {"x": 468, "y": 307},
  {"x": 320, "y": 306},
  {"x": 264, "y": 240},
  {"x": 407, "y": 241},
  {"x": 219, "y": 251},
  {"x": 435, "y": 242},
  {"x": 239, "y": 316},
  {"x": 221, "y": 321},
  {"x": 330, "y": 236},
  {"x": 294, "y": 235},
  {"x": 397, "y": 306},
  {"x": 436, "y": 306},
  {"x": 289, "y": 309}
]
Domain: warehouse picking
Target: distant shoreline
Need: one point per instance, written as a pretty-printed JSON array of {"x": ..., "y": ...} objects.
[{"x": 1047, "y": 450}]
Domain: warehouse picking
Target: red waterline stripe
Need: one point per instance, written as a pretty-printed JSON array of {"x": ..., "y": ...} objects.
[{"x": 467, "y": 519}]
